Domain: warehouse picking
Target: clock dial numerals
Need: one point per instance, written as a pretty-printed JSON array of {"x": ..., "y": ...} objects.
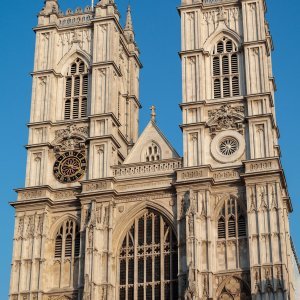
[{"x": 69, "y": 167}]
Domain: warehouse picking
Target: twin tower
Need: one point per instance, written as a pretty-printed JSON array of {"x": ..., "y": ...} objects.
[{"x": 107, "y": 214}]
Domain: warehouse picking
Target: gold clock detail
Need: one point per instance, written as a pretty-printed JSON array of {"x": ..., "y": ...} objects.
[{"x": 70, "y": 166}]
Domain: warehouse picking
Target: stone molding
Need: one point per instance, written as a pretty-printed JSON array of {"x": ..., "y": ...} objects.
[{"x": 146, "y": 169}]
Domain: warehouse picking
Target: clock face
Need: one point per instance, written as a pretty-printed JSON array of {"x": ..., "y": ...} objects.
[{"x": 70, "y": 167}]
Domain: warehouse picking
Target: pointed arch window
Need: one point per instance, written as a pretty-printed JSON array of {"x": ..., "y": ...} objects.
[
  {"x": 76, "y": 91},
  {"x": 231, "y": 221},
  {"x": 67, "y": 240},
  {"x": 148, "y": 260},
  {"x": 225, "y": 63}
]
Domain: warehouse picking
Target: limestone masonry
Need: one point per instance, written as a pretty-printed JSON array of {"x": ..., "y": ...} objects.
[{"x": 107, "y": 214}]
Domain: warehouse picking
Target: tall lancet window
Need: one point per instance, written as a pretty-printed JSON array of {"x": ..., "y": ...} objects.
[
  {"x": 76, "y": 91},
  {"x": 231, "y": 222},
  {"x": 67, "y": 241},
  {"x": 148, "y": 260},
  {"x": 225, "y": 69}
]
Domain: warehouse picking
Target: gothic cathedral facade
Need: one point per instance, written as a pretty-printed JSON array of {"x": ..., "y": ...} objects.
[{"x": 107, "y": 214}]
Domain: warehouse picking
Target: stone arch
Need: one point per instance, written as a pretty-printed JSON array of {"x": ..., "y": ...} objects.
[
  {"x": 69, "y": 58},
  {"x": 233, "y": 287},
  {"x": 221, "y": 202},
  {"x": 126, "y": 220},
  {"x": 54, "y": 227},
  {"x": 219, "y": 34},
  {"x": 148, "y": 249}
]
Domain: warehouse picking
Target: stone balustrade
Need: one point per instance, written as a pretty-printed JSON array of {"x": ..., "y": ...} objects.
[{"x": 147, "y": 168}]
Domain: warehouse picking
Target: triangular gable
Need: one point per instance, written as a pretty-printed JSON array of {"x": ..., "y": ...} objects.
[{"x": 151, "y": 135}]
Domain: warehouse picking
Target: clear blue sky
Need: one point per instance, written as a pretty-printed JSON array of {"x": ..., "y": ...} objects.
[{"x": 157, "y": 27}]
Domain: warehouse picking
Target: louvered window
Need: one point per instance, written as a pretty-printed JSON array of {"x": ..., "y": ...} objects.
[
  {"x": 231, "y": 222},
  {"x": 67, "y": 241},
  {"x": 148, "y": 260},
  {"x": 58, "y": 246},
  {"x": 242, "y": 226},
  {"x": 221, "y": 228},
  {"x": 68, "y": 110},
  {"x": 76, "y": 93},
  {"x": 225, "y": 63}
]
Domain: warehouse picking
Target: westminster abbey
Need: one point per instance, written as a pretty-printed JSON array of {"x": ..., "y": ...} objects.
[{"x": 108, "y": 214}]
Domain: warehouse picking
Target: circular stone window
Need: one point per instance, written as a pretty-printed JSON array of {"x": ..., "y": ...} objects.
[{"x": 228, "y": 146}]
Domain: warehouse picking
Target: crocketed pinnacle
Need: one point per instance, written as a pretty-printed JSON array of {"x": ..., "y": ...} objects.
[
  {"x": 128, "y": 26},
  {"x": 129, "y": 33}
]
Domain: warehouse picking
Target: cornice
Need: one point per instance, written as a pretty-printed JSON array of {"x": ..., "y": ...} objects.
[
  {"x": 106, "y": 64},
  {"x": 84, "y": 121},
  {"x": 136, "y": 100},
  {"x": 110, "y": 114},
  {"x": 46, "y": 72},
  {"x": 105, "y": 137}
]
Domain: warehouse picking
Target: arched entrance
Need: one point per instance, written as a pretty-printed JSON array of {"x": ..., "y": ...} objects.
[
  {"x": 148, "y": 260},
  {"x": 234, "y": 289}
]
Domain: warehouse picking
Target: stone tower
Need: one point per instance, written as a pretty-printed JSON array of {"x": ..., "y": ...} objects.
[
  {"x": 241, "y": 246},
  {"x": 106, "y": 214}
]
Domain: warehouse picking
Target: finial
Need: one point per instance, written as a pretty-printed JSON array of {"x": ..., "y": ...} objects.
[{"x": 153, "y": 113}]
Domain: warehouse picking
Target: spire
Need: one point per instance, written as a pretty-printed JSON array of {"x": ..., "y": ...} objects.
[{"x": 129, "y": 32}]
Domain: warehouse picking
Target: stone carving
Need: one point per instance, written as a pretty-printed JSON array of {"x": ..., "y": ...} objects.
[
  {"x": 72, "y": 138},
  {"x": 40, "y": 225},
  {"x": 145, "y": 197},
  {"x": 257, "y": 281},
  {"x": 35, "y": 194},
  {"x": 191, "y": 292},
  {"x": 274, "y": 202},
  {"x": 65, "y": 195},
  {"x": 30, "y": 227},
  {"x": 235, "y": 287},
  {"x": 205, "y": 286},
  {"x": 225, "y": 118},
  {"x": 72, "y": 129},
  {"x": 20, "y": 227},
  {"x": 253, "y": 206},
  {"x": 102, "y": 185},
  {"x": 185, "y": 204},
  {"x": 269, "y": 287},
  {"x": 263, "y": 199},
  {"x": 91, "y": 236}
]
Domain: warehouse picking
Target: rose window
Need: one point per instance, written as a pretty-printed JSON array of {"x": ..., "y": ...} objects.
[{"x": 229, "y": 146}]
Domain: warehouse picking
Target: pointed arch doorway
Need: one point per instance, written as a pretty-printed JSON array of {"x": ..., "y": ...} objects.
[{"x": 148, "y": 260}]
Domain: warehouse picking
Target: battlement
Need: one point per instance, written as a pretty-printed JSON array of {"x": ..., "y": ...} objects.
[{"x": 79, "y": 16}]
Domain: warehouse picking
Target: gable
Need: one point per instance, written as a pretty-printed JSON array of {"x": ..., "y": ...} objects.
[{"x": 151, "y": 145}]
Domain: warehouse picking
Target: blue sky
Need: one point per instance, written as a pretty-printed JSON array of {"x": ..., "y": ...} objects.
[{"x": 157, "y": 27}]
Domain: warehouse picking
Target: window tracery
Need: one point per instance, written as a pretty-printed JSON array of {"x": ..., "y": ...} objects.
[
  {"x": 231, "y": 222},
  {"x": 67, "y": 241},
  {"x": 76, "y": 91},
  {"x": 225, "y": 71},
  {"x": 148, "y": 257}
]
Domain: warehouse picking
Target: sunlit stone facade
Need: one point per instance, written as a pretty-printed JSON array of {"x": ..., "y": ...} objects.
[{"x": 107, "y": 214}]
